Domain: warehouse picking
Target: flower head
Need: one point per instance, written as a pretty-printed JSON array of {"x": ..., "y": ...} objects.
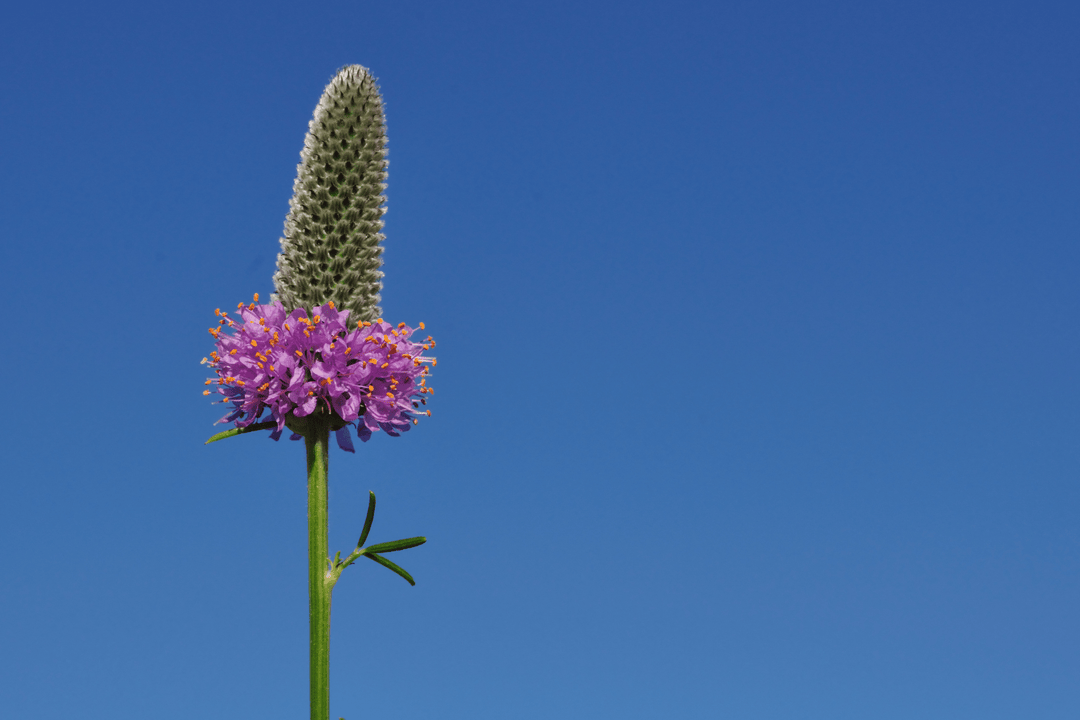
[
  {"x": 292, "y": 364},
  {"x": 332, "y": 247}
]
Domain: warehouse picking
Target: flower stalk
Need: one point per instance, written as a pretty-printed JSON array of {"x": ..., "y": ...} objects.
[
  {"x": 317, "y": 442},
  {"x": 323, "y": 571}
]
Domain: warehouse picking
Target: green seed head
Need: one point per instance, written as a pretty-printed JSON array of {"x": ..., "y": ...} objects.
[{"x": 332, "y": 249}]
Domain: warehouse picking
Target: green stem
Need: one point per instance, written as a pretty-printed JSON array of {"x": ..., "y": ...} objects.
[{"x": 317, "y": 440}]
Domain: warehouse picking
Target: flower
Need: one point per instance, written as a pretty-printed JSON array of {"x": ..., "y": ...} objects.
[
  {"x": 332, "y": 247},
  {"x": 292, "y": 364}
]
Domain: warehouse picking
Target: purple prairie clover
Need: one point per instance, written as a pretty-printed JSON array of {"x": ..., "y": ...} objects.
[{"x": 290, "y": 364}]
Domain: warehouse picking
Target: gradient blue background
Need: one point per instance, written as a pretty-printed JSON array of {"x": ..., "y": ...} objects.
[{"x": 758, "y": 384}]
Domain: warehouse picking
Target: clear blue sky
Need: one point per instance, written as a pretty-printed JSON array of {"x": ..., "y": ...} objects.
[{"x": 758, "y": 384}]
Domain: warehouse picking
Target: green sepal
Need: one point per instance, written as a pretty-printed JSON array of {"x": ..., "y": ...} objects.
[
  {"x": 387, "y": 564},
  {"x": 240, "y": 431},
  {"x": 396, "y": 545},
  {"x": 369, "y": 520}
]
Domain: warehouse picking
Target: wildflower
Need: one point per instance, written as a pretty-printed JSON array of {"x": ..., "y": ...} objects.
[
  {"x": 332, "y": 247},
  {"x": 291, "y": 365}
]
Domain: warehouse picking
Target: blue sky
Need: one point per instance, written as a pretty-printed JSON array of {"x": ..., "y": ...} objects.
[{"x": 758, "y": 339}]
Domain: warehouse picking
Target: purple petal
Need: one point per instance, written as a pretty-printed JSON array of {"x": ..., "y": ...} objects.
[
  {"x": 263, "y": 366},
  {"x": 343, "y": 440}
]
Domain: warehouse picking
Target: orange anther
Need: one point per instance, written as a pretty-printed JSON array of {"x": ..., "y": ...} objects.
[
  {"x": 385, "y": 365},
  {"x": 400, "y": 325},
  {"x": 207, "y": 382},
  {"x": 217, "y": 311},
  {"x": 256, "y": 297},
  {"x": 421, "y": 326},
  {"x": 330, "y": 304},
  {"x": 205, "y": 392},
  {"x": 299, "y": 354},
  {"x": 254, "y": 344}
]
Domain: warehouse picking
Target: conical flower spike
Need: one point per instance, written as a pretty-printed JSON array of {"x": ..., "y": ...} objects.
[{"x": 332, "y": 247}]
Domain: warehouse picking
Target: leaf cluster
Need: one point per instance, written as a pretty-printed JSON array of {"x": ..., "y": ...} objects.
[{"x": 373, "y": 552}]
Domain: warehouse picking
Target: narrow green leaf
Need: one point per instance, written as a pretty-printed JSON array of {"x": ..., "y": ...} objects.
[
  {"x": 241, "y": 431},
  {"x": 387, "y": 564},
  {"x": 370, "y": 518},
  {"x": 396, "y": 545}
]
